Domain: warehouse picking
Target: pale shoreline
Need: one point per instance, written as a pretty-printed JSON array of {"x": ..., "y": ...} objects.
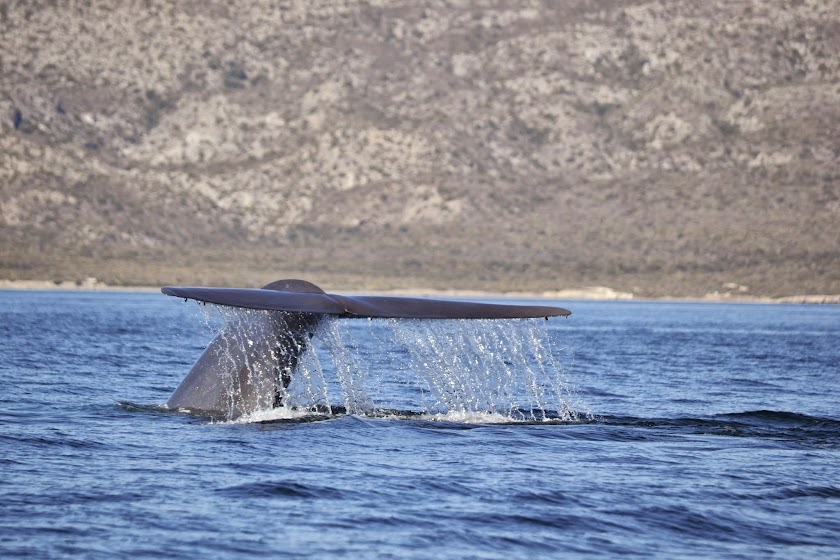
[{"x": 592, "y": 293}]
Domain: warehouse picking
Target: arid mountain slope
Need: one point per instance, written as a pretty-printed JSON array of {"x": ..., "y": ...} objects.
[{"x": 655, "y": 147}]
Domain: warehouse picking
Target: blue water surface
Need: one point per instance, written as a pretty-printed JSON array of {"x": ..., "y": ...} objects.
[{"x": 714, "y": 432}]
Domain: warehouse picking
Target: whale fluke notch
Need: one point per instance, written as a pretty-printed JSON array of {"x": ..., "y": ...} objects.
[
  {"x": 300, "y": 296},
  {"x": 231, "y": 379}
]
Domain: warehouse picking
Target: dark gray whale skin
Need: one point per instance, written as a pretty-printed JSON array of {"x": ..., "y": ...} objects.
[
  {"x": 300, "y": 296},
  {"x": 232, "y": 379}
]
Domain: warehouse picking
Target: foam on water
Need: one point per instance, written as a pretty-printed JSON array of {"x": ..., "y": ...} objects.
[
  {"x": 280, "y": 414},
  {"x": 459, "y": 417},
  {"x": 488, "y": 370}
]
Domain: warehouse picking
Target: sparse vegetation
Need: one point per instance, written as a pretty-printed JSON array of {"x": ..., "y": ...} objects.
[
  {"x": 727, "y": 128},
  {"x": 155, "y": 105},
  {"x": 235, "y": 76},
  {"x": 644, "y": 146}
]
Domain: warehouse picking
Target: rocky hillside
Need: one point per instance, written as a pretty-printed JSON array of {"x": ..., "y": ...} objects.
[{"x": 655, "y": 147}]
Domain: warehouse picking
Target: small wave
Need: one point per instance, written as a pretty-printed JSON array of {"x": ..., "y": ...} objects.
[
  {"x": 781, "y": 418},
  {"x": 807, "y": 491},
  {"x": 687, "y": 520},
  {"x": 55, "y": 439},
  {"x": 808, "y": 430},
  {"x": 287, "y": 489},
  {"x": 546, "y": 498},
  {"x": 129, "y": 406},
  {"x": 791, "y": 427}
]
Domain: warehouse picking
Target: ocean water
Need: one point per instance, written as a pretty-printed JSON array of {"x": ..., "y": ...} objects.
[{"x": 673, "y": 430}]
